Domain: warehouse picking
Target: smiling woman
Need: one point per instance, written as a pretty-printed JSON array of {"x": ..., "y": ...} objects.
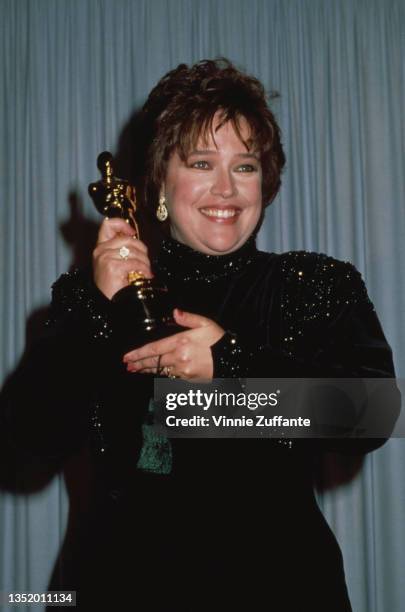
[
  {"x": 214, "y": 196},
  {"x": 167, "y": 513}
]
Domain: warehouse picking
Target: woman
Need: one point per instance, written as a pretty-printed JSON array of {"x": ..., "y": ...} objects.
[{"x": 200, "y": 524}]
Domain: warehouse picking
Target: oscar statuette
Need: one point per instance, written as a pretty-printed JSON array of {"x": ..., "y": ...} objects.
[{"x": 144, "y": 307}]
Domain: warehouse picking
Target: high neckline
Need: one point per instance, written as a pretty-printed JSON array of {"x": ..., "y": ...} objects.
[{"x": 178, "y": 261}]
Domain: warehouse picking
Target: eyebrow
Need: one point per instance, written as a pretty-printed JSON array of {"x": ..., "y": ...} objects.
[{"x": 213, "y": 152}]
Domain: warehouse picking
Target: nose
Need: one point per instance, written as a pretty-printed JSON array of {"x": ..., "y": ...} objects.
[{"x": 223, "y": 184}]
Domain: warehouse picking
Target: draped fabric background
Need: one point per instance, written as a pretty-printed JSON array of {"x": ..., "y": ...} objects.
[{"x": 73, "y": 71}]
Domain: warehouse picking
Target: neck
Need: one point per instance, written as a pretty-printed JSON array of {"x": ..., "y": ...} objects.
[{"x": 181, "y": 262}]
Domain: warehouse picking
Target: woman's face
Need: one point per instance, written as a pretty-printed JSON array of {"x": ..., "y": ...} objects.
[{"x": 214, "y": 197}]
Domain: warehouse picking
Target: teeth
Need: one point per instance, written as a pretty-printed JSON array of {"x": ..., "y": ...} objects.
[{"x": 218, "y": 212}]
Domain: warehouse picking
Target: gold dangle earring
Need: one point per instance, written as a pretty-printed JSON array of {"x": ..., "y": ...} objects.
[{"x": 162, "y": 212}]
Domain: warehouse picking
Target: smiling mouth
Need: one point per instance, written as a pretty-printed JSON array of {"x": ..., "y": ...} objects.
[{"x": 220, "y": 213}]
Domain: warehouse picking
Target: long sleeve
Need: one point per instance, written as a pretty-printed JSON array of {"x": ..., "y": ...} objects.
[
  {"x": 45, "y": 402},
  {"x": 354, "y": 346},
  {"x": 329, "y": 329}
]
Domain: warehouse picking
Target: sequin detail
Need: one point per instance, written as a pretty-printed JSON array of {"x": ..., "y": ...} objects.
[
  {"x": 227, "y": 357},
  {"x": 97, "y": 430},
  {"x": 316, "y": 289},
  {"x": 180, "y": 262},
  {"x": 74, "y": 293}
]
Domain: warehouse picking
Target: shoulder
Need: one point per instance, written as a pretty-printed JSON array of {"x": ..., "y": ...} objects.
[
  {"x": 75, "y": 295},
  {"x": 317, "y": 285},
  {"x": 294, "y": 262},
  {"x": 308, "y": 265},
  {"x": 316, "y": 292},
  {"x": 76, "y": 290},
  {"x": 70, "y": 286}
]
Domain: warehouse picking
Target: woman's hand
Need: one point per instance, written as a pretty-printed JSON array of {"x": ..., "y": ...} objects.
[
  {"x": 185, "y": 355},
  {"x": 110, "y": 269}
]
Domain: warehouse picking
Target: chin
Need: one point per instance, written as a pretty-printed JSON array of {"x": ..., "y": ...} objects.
[
  {"x": 221, "y": 246},
  {"x": 213, "y": 243}
]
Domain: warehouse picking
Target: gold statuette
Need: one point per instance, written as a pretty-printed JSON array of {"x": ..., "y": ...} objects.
[{"x": 144, "y": 305}]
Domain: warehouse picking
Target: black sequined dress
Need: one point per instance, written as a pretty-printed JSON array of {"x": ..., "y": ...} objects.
[{"x": 202, "y": 524}]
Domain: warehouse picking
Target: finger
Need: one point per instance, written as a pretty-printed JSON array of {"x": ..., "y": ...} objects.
[
  {"x": 119, "y": 240},
  {"x": 170, "y": 373},
  {"x": 112, "y": 227},
  {"x": 113, "y": 266},
  {"x": 140, "y": 364},
  {"x": 159, "y": 347},
  {"x": 118, "y": 254},
  {"x": 134, "y": 265},
  {"x": 169, "y": 367},
  {"x": 178, "y": 365},
  {"x": 190, "y": 319},
  {"x": 105, "y": 255}
]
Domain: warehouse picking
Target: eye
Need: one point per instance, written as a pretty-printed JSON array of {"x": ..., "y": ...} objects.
[
  {"x": 246, "y": 168},
  {"x": 201, "y": 164}
]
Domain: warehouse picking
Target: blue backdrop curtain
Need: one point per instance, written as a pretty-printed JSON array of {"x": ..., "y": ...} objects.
[{"x": 72, "y": 72}]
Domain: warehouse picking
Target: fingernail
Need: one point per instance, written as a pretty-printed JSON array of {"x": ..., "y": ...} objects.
[{"x": 180, "y": 312}]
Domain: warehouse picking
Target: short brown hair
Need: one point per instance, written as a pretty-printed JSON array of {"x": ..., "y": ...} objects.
[{"x": 182, "y": 106}]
